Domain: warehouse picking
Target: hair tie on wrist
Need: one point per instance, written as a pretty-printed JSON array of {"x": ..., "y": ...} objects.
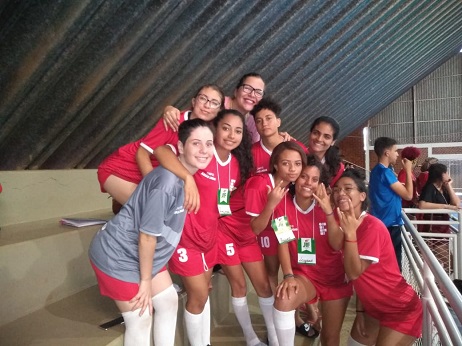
[
  {"x": 331, "y": 213},
  {"x": 286, "y": 276},
  {"x": 350, "y": 241},
  {"x": 360, "y": 311}
]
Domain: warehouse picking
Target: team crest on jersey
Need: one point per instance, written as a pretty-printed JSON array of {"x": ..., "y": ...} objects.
[
  {"x": 322, "y": 228},
  {"x": 232, "y": 184},
  {"x": 209, "y": 175}
]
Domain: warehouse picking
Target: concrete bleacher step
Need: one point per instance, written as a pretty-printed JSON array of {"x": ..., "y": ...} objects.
[
  {"x": 73, "y": 321},
  {"x": 42, "y": 263}
]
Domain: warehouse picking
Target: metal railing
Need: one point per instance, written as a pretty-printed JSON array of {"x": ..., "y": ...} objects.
[{"x": 423, "y": 271}]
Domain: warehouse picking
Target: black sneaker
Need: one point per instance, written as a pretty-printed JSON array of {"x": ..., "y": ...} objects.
[{"x": 307, "y": 330}]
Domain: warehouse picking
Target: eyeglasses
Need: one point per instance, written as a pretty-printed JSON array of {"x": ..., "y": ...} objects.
[
  {"x": 248, "y": 89},
  {"x": 347, "y": 190},
  {"x": 204, "y": 99}
]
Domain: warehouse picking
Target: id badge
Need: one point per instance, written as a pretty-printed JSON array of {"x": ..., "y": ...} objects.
[
  {"x": 306, "y": 249},
  {"x": 223, "y": 202},
  {"x": 282, "y": 229}
]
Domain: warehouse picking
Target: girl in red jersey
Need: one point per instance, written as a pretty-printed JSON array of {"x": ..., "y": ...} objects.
[
  {"x": 389, "y": 312},
  {"x": 321, "y": 142},
  {"x": 286, "y": 164},
  {"x": 196, "y": 253},
  {"x": 120, "y": 173},
  {"x": 312, "y": 269}
]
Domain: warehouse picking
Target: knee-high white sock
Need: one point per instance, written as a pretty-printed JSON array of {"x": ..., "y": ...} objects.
[
  {"x": 193, "y": 324},
  {"x": 206, "y": 323},
  {"x": 284, "y": 322},
  {"x": 266, "y": 306},
  {"x": 166, "y": 308},
  {"x": 241, "y": 310},
  {"x": 137, "y": 328}
]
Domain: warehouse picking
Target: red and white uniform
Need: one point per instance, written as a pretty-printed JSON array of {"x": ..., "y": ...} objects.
[
  {"x": 122, "y": 162},
  {"x": 236, "y": 241},
  {"x": 381, "y": 288},
  {"x": 328, "y": 274},
  {"x": 197, "y": 249},
  {"x": 256, "y": 196},
  {"x": 261, "y": 156}
]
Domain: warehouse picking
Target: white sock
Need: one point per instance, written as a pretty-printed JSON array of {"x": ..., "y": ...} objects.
[
  {"x": 241, "y": 310},
  {"x": 193, "y": 324},
  {"x": 353, "y": 342},
  {"x": 137, "y": 328},
  {"x": 266, "y": 306},
  {"x": 284, "y": 322},
  {"x": 206, "y": 323},
  {"x": 166, "y": 308}
]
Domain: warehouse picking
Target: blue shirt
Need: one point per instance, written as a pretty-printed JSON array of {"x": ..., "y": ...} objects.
[{"x": 385, "y": 203}]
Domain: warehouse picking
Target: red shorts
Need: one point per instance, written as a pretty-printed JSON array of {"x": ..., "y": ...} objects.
[
  {"x": 102, "y": 177},
  {"x": 268, "y": 243},
  {"x": 114, "y": 288},
  {"x": 230, "y": 253},
  {"x": 408, "y": 322},
  {"x": 191, "y": 262},
  {"x": 324, "y": 292}
]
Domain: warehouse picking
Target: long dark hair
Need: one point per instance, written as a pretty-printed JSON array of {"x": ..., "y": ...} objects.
[
  {"x": 332, "y": 157},
  {"x": 243, "y": 152}
]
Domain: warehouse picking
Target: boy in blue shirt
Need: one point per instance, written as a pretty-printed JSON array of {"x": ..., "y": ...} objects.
[{"x": 386, "y": 192}]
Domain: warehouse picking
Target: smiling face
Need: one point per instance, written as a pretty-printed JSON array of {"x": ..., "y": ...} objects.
[
  {"x": 205, "y": 111},
  {"x": 229, "y": 132},
  {"x": 289, "y": 166},
  {"x": 197, "y": 152},
  {"x": 267, "y": 123},
  {"x": 346, "y": 190},
  {"x": 307, "y": 182},
  {"x": 244, "y": 102},
  {"x": 321, "y": 139}
]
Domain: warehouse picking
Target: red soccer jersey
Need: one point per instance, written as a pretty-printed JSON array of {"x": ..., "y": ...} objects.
[
  {"x": 122, "y": 162},
  {"x": 312, "y": 223},
  {"x": 200, "y": 229},
  {"x": 237, "y": 225},
  {"x": 381, "y": 288}
]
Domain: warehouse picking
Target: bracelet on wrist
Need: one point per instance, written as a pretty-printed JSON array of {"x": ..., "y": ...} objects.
[
  {"x": 331, "y": 213},
  {"x": 350, "y": 241},
  {"x": 286, "y": 276},
  {"x": 360, "y": 311}
]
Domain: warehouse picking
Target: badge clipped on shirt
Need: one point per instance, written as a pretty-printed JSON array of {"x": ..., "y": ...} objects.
[
  {"x": 223, "y": 202},
  {"x": 306, "y": 249},
  {"x": 282, "y": 229}
]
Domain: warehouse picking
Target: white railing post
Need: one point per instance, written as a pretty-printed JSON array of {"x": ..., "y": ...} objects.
[{"x": 426, "y": 297}]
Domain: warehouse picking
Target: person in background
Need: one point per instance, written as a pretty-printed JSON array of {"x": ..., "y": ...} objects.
[
  {"x": 411, "y": 154},
  {"x": 423, "y": 176},
  {"x": 314, "y": 270},
  {"x": 388, "y": 310},
  {"x": 439, "y": 194},
  {"x": 130, "y": 252},
  {"x": 324, "y": 132},
  {"x": 121, "y": 172},
  {"x": 386, "y": 192}
]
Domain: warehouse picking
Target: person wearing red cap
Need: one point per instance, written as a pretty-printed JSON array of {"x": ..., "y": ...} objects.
[{"x": 410, "y": 153}]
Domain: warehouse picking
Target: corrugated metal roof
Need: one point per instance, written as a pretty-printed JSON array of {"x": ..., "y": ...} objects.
[{"x": 80, "y": 78}]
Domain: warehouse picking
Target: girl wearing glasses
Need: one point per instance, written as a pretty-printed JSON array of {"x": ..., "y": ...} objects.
[
  {"x": 389, "y": 312},
  {"x": 247, "y": 93},
  {"x": 312, "y": 269},
  {"x": 120, "y": 173},
  {"x": 196, "y": 253}
]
